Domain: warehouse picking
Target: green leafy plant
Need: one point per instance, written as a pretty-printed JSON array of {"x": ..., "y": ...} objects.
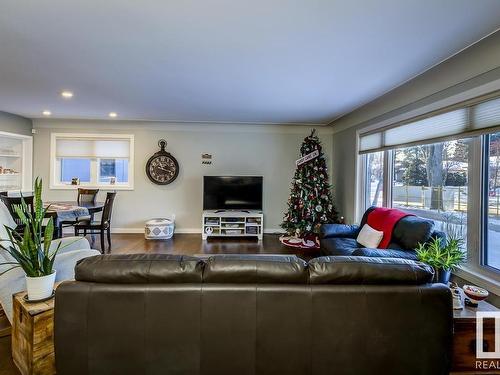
[
  {"x": 31, "y": 250},
  {"x": 442, "y": 254}
]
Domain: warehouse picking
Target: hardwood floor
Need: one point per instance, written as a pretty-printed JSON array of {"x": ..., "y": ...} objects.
[
  {"x": 188, "y": 244},
  {"x": 7, "y": 367},
  {"x": 191, "y": 244}
]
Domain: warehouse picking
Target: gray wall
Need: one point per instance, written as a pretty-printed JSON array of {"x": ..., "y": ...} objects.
[
  {"x": 15, "y": 124},
  {"x": 471, "y": 68},
  {"x": 237, "y": 149}
]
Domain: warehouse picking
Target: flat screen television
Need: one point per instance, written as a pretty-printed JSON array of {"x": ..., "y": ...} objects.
[{"x": 232, "y": 192}]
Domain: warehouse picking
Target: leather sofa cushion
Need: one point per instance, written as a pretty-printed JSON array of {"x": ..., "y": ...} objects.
[
  {"x": 338, "y": 230},
  {"x": 366, "y": 270},
  {"x": 385, "y": 253},
  {"x": 411, "y": 230},
  {"x": 339, "y": 246},
  {"x": 140, "y": 269},
  {"x": 255, "y": 269}
]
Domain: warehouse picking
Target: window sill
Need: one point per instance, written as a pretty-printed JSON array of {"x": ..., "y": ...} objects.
[
  {"x": 100, "y": 187},
  {"x": 476, "y": 276}
]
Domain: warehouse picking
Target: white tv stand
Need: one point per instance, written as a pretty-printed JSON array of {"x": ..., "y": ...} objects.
[{"x": 229, "y": 223}]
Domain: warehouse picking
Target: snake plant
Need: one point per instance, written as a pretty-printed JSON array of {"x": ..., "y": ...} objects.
[{"x": 31, "y": 250}]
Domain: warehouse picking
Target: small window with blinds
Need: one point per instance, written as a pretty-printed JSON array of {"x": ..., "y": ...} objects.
[{"x": 100, "y": 160}]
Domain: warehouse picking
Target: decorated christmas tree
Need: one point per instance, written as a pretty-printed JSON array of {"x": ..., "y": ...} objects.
[{"x": 310, "y": 203}]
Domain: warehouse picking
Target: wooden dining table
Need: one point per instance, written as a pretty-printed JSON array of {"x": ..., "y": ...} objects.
[{"x": 70, "y": 211}]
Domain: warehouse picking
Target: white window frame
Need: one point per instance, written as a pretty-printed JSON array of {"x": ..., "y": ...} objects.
[
  {"x": 55, "y": 166},
  {"x": 362, "y": 181}
]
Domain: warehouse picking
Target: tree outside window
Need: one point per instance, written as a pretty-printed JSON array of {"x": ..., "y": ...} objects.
[{"x": 432, "y": 181}]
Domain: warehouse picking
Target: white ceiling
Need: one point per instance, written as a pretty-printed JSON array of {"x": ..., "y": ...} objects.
[{"x": 272, "y": 61}]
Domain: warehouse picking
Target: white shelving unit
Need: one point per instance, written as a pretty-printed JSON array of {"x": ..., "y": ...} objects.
[
  {"x": 16, "y": 154},
  {"x": 222, "y": 223}
]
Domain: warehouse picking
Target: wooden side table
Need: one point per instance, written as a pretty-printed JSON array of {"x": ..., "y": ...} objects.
[
  {"x": 464, "y": 339},
  {"x": 33, "y": 336}
]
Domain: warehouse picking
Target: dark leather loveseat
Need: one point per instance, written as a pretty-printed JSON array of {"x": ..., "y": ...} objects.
[
  {"x": 340, "y": 239},
  {"x": 251, "y": 315}
]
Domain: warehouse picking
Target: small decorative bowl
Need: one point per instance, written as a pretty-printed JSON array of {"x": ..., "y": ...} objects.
[{"x": 475, "y": 294}]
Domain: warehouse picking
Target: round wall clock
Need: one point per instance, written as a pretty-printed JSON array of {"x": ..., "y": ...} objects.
[{"x": 162, "y": 168}]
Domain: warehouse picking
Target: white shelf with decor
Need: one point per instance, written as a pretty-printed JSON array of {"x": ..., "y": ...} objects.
[
  {"x": 16, "y": 158},
  {"x": 229, "y": 223}
]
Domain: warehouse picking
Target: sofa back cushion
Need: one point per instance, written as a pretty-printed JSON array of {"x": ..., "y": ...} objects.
[
  {"x": 255, "y": 269},
  {"x": 249, "y": 269},
  {"x": 367, "y": 270},
  {"x": 140, "y": 269},
  {"x": 412, "y": 230},
  {"x": 364, "y": 219}
]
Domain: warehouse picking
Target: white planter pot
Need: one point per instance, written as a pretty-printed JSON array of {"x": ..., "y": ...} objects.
[{"x": 40, "y": 287}]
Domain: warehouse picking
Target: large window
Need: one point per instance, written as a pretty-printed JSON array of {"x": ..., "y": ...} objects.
[
  {"x": 431, "y": 181},
  {"x": 92, "y": 160},
  {"x": 443, "y": 166},
  {"x": 491, "y": 255}
]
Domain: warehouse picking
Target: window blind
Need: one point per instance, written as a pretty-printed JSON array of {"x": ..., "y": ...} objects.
[
  {"x": 371, "y": 141},
  {"x": 457, "y": 123},
  {"x": 92, "y": 148},
  {"x": 486, "y": 115}
]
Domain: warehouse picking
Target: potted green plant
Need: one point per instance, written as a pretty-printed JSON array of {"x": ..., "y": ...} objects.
[
  {"x": 444, "y": 255},
  {"x": 31, "y": 250}
]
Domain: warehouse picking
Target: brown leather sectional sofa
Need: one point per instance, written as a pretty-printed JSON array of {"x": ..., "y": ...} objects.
[{"x": 239, "y": 315}]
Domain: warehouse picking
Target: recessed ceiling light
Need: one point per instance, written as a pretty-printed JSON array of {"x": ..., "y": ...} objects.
[
  {"x": 46, "y": 113},
  {"x": 67, "y": 94},
  {"x": 113, "y": 114}
]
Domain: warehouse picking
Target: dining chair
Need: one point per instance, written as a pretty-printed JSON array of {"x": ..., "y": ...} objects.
[
  {"x": 101, "y": 227},
  {"x": 87, "y": 195},
  {"x": 11, "y": 202},
  {"x": 84, "y": 196}
]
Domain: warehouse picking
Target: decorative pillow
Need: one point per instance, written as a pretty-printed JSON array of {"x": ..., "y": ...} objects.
[{"x": 369, "y": 237}]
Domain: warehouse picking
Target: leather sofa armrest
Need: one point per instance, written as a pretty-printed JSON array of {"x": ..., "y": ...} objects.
[
  {"x": 338, "y": 230},
  {"x": 385, "y": 253}
]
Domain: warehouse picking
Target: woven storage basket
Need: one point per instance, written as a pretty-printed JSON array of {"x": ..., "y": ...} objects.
[{"x": 159, "y": 229}]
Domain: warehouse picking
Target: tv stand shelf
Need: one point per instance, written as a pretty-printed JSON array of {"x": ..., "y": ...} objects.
[{"x": 232, "y": 223}]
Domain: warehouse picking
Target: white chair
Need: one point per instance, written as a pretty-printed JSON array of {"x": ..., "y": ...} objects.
[{"x": 72, "y": 250}]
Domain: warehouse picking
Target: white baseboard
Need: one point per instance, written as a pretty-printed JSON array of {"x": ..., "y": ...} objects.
[
  {"x": 274, "y": 231},
  {"x": 69, "y": 230}
]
